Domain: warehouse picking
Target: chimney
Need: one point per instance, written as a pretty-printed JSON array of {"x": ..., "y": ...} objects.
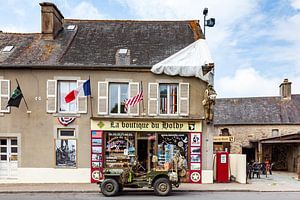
[
  {"x": 285, "y": 89},
  {"x": 122, "y": 57},
  {"x": 52, "y": 20}
]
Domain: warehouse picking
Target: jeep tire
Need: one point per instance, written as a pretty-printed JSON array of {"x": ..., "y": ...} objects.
[
  {"x": 162, "y": 187},
  {"x": 109, "y": 187}
]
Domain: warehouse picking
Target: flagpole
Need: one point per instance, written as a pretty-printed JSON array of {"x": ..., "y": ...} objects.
[
  {"x": 23, "y": 96},
  {"x": 143, "y": 97},
  {"x": 91, "y": 98}
]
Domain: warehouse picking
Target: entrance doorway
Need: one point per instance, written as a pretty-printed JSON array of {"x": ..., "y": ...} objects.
[
  {"x": 250, "y": 154},
  {"x": 142, "y": 153},
  {"x": 8, "y": 158}
]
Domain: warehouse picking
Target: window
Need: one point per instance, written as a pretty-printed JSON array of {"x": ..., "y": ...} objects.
[
  {"x": 56, "y": 92},
  {"x": 7, "y": 48},
  {"x": 66, "y": 148},
  {"x": 118, "y": 94},
  {"x": 64, "y": 87},
  {"x": 168, "y": 98},
  {"x": 112, "y": 97},
  {"x": 275, "y": 132},
  {"x": 4, "y": 95}
]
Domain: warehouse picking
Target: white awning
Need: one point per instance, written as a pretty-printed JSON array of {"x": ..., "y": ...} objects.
[{"x": 187, "y": 62}]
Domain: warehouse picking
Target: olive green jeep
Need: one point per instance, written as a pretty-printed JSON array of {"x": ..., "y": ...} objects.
[{"x": 161, "y": 181}]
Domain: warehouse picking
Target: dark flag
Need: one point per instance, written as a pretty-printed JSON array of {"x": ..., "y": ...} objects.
[{"x": 15, "y": 98}]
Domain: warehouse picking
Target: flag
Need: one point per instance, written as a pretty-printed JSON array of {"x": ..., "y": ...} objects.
[
  {"x": 134, "y": 100},
  {"x": 86, "y": 87},
  {"x": 15, "y": 98}
]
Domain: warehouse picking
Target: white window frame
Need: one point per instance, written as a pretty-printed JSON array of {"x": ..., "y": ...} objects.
[
  {"x": 58, "y": 90},
  {"x": 119, "y": 98},
  {"x": 59, "y": 136},
  {"x": 168, "y": 100}
]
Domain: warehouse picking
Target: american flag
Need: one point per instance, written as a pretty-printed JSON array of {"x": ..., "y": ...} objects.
[{"x": 133, "y": 100}]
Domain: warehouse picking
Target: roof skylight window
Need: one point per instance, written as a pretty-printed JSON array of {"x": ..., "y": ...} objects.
[
  {"x": 123, "y": 51},
  {"x": 71, "y": 27},
  {"x": 7, "y": 48}
]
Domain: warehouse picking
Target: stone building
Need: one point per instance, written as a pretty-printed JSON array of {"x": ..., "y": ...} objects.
[
  {"x": 261, "y": 127},
  {"x": 55, "y": 141}
]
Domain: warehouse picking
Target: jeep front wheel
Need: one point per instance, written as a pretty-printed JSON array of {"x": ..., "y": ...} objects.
[
  {"x": 109, "y": 187},
  {"x": 162, "y": 187}
]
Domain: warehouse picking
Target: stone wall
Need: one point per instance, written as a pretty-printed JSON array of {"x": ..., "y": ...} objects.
[{"x": 243, "y": 134}]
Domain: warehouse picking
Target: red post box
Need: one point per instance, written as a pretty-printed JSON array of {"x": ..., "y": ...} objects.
[{"x": 222, "y": 166}]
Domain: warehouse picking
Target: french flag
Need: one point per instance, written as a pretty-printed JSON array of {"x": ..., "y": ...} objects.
[{"x": 86, "y": 87}]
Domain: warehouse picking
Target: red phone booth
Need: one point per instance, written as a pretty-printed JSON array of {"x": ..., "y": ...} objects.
[{"x": 222, "y": 166}]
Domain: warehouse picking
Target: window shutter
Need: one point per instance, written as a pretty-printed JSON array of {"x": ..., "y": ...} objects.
[
  {"x": 51, "y": 96},
  {"x": 133, "y": 90},
  {"x": 184, "y": 99},
  {"x": 102, "y": 98},
  {"x": 81, "y": 99},
  {"x": 152, "y": 99},
  {"x": 4, "y": 95}
]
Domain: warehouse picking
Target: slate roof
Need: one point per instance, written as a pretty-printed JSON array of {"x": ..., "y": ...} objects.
[
  {"x": 257, "y": 110},
  {"x": 95, "y": 42}
]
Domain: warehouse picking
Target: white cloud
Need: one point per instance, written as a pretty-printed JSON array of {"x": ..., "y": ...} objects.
[
  {"x": 85, "y": 10},
  {"x": 295, "y": 4},
  {"x": 247, "y": 82}
]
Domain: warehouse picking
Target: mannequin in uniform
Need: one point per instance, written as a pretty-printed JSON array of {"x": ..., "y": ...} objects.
[{"x": 209, "y": 102}]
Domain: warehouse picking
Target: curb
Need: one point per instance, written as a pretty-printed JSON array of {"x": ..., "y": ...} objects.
[{"x": 143, "y": 191}]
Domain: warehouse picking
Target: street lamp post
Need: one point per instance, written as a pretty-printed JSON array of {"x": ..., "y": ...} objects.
[{"x": 210, "y": 22}]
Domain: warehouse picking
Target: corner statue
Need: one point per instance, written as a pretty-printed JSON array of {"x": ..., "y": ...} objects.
[{"x": 209, "y": 102}]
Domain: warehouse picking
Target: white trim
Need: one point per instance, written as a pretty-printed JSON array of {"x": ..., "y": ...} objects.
[
  {"x": 129, "y": 96},
  {"x": 79, "y": 82},
  {"x": 184, "y": 99},
  {"x": 51, "y": 96},
  {"x": 103, "y": 97},
  {"x": 5, "y": 95},
  {"x": 152, "y": 98},
  {"x": 66, "y": 78}
]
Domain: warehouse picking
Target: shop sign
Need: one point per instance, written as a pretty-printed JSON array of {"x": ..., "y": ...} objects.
[
  {"x": 223, "y": 138},
  {"x": 146, "y": 126}
]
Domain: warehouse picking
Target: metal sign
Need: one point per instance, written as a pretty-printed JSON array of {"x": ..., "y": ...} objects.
[{"x": 223, "y": 138}]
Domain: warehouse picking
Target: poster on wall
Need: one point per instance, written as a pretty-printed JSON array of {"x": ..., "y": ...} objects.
[
  {"x": 195, "y": 158},
  {"x": 96, "y": 156}
]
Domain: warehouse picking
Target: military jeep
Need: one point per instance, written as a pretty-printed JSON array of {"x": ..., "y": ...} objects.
[{"x": 161, "y": 181}]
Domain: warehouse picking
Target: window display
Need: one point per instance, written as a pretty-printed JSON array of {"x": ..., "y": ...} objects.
[
  {"x": 169, "y": 145},
  {"x": 120, "y": 149},
  {"x": 66, "y": 153}
]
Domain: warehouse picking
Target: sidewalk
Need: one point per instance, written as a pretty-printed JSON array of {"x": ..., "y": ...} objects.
[{"x": 279, "y": 182}]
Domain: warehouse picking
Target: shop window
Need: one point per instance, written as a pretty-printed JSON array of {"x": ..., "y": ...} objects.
[
  {"x": 120, "y": 149},
  {"x": 56, "y": 93},
  {"x": 168, "y": 146},
  {"x": 118, "y": 94},
  {"x": 66, "y": 148}
]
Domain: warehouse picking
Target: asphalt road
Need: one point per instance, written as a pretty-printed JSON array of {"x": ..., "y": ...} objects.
[{"x": 149, "y": 195}]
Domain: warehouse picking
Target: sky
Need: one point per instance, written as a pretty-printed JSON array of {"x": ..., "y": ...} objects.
[{"x": 255, "y": 44}]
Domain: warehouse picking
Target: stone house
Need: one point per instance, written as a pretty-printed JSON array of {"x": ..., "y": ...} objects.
[
  {"x": 262, "y": 127},
  {"x": 51, "y": 139}
]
